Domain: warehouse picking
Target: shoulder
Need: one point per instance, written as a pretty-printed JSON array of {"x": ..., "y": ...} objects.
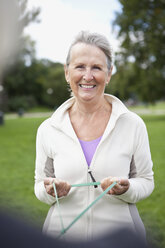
[
  {"x": 122, "y": 113},
  {"x": 133, "y": 118},
  {"x": 133, "y": 123},
  {"x": 44, "y": 126}
]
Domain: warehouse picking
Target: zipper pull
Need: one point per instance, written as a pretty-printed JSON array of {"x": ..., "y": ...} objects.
[{"x": 93, "y": 179}]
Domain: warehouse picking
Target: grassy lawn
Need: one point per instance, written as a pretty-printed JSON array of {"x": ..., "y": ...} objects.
[
  {"x": 157, "y": 106},
  {"x": 152, "y": 209},
  {"x": 17, "y": 158}
]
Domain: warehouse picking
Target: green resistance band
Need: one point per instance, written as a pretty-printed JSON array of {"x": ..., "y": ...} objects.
[
  {"x": 85, "y": 184},
  {"x": 63, "y": 230}
]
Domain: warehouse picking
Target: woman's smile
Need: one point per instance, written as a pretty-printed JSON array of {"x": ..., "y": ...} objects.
[
  {"x": 87, "y": 87},
  {"x": 87, "y": 72}
]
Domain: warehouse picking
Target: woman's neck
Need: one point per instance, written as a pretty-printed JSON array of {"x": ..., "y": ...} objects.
[
  {"x": 90, "y": 108},
  {"x": 90, "y": 120}
]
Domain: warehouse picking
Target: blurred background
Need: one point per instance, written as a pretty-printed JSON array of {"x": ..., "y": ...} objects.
[{"x": 34, "y": 39}]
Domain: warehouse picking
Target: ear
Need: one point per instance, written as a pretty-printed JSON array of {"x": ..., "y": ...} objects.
[
  {"x": 109, "y": 75},
  {"x": 66, "y": 73}
]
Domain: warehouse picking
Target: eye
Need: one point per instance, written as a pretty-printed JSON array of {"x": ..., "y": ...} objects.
[
  {"x": 96, "y": 67},
  {"x": 79, "y": 66}
]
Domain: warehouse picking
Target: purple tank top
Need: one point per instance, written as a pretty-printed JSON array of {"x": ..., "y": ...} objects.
[{"x": 89, "y": 148}]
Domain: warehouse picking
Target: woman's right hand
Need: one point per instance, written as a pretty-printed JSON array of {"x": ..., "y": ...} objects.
[
  {"x": 62, "y": 187},
  {"x": 120, "y": 188}
]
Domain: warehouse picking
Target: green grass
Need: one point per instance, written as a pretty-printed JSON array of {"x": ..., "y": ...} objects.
[
  {"x": 160, "y": 105},
  {"x": 152, "y": 209},
  {"x": 40, "y": 109},
  {"x": 17, "y": 159}
]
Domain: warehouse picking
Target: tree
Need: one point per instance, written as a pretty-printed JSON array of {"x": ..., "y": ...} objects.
[
  {"x": 21, "y": 86},
  {"x": 40, "y": 83},
  {"x": 141, "y": 32},
  {"x": 52, "y": 81},
  {"x": 25, "y": 17},
  {"x": 14, "y": 17},
  {"x": 122, "y": 83},
  {"x": 15, "y": 49},
  {"x": 30, "y": 82}
]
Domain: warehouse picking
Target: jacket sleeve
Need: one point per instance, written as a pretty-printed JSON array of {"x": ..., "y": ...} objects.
[
  {"x": 141, "y": 177},
  {"x": 43, "y": 169}
]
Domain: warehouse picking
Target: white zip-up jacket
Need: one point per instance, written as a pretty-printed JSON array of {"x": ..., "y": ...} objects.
[{"x": 122, "y": 152}]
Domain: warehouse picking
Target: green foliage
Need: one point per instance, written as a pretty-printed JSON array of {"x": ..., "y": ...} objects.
[
  {"x": 55, "y": 87},
  {"x": 123, "y": 83},
  {"x": 31, "y": 82},
  {"x": 141, "y": 57},
  {"x": 40, "y": 83},
  {"x": 21, "y": 102},
  {"x": 17, "y": 159}
]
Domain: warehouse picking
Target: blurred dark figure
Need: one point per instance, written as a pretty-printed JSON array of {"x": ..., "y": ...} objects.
[
  {"x": 15, "y": 233},
  {"x": 1, "y": 118}
]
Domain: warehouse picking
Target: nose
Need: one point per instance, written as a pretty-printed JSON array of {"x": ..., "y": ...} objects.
[{"x": 88, "y": 76}]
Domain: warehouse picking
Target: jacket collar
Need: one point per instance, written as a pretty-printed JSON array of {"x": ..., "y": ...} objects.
[
  {"x": 118, "y": 109},
  {"x": 60, "y": 118}
]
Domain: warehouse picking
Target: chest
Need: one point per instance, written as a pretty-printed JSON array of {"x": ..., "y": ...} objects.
[
  {"x": 90, "y": 128},
  {"x": 112, "y": 157}
]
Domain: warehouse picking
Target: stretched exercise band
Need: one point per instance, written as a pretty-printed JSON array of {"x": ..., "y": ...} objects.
[
  {"x": 86, "y": 184},
  {"x": 63, "y": 230}
]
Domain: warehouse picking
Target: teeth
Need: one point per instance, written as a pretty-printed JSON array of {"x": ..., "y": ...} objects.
[{"x": 87, "y": 86}]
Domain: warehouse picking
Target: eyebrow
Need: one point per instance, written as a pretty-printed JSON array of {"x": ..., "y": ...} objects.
[
  {"x": 99, "y": 65},
  {"x": 81, "y": 63}
]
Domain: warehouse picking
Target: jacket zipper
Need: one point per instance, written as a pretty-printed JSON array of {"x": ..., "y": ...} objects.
[{"x": 92, "y": 177}]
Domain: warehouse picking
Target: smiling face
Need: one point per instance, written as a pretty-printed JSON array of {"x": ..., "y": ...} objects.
[{"x": 87, "y": 72}]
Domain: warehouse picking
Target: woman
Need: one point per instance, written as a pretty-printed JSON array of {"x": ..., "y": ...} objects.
[{"x": 92, "y": 136}]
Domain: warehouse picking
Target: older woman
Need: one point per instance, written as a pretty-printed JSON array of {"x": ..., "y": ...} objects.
[{"x": 92, "y": 136}]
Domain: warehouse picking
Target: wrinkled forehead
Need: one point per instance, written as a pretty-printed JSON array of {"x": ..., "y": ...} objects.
[
  {"x": 86, "y": 50},
  {"x": 83, "y": 46}
]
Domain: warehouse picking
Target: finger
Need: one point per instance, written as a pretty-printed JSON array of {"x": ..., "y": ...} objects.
[
  {"x": 111, "y": 192},
  {"x": 120, "y": 190},
  {"x": 49, "y": 188},
  {"x": 62, "y": 188},
  {"x": 50, "y": 191},
  {"x": 48, "y": 180},
  {"x": 105, "y": 183},
  {"x": 62, "y": 193},
  {"x": 124, "y": 182},
  {"x": 115, "y": 189},
  {"x": 65, "y": 188}
]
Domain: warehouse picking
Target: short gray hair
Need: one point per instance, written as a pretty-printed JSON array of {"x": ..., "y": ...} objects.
[{"x": 93, "y": 39}]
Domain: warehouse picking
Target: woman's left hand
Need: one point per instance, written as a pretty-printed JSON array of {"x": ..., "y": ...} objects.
[
  {"x": 62, "y": 186},
  {"x": 121, "y": 187}
]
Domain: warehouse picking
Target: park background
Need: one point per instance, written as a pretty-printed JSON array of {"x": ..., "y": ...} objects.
[{"x": 31, "y": 88}]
